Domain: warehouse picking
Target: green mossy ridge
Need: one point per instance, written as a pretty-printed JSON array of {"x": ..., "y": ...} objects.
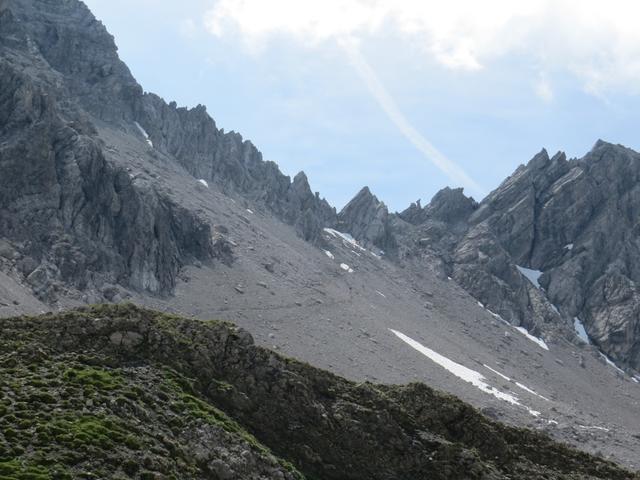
[
  {"x": 86, "y": 431},
  {"x": 72, "y": 412},
  {"x": 17, "y": 470},
  {"x": 74, "y": 398},
  {"x": 98, "y": 378}
]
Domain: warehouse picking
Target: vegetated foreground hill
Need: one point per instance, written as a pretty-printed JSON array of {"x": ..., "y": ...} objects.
[{"x": 124, "y": 392}]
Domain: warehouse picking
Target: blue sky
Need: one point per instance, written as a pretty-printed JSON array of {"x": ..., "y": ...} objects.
[{"x": 404, "y": 96}]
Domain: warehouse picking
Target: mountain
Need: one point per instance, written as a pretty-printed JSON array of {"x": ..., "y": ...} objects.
[
  {"x": 110, "y": 194},
  {"x": 118, "y": 391},
  {"x": 571, "y": 223}
]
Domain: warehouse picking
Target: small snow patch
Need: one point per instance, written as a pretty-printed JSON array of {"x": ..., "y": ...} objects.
[
  {"x": 532, "y": 275},
  {"x": 593, "y": 427},
  {"x": 496, "y": 316},
  {"x": 381, "y": 294},
  {"x": 535, "y": 340},
  {"x": 480, "y": 304},
  {"x": 346, "y": 238},
  {"x": 346, "y": 267},
  {"x": 144, "y": 134},
  {"x": 329, "y": 254},
  {"x": 580, "y": 330},
  {"x": 612, "y": 364},
  {"x": 202, "y": 181},
  {"x": 569, "y": 246},
  {"x": 249, "y": 211}
]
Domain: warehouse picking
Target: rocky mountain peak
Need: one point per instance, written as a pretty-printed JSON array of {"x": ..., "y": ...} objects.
[
  {"x": 450, "y": 205},
  {"x": 66, "y": 37},
  {"x": 300, "y": 181},
  {"x": 367, "y": 219}
]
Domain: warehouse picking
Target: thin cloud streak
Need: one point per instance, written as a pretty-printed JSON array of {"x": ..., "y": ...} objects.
[{"x": 390, "y": 108}]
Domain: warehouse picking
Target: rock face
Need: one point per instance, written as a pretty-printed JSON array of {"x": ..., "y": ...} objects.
[
  {"x": 122, "y": 391},
  {"x": 192, "y": 138},
  {"x": 575, "y": 222},
  {"x": 367, "y": 219},
  {"x": 77, "y": 220}
]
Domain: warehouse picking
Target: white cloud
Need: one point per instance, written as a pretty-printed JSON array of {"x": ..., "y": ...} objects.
[{"x": 597, "y": 41}]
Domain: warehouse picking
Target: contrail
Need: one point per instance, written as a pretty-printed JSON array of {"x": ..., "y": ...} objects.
[{"x": 388, "y": 104}]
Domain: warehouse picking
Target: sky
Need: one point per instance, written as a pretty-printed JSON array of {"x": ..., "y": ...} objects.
[{"x": 403, "y": 96}]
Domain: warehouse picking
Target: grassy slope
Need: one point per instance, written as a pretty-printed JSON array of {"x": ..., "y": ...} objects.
[{"x": 123, "y": 392}]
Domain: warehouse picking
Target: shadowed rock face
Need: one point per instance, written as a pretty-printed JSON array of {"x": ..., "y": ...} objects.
[
  {"x": 79, "y": 220},
  {"x": 223, "y": 408}
]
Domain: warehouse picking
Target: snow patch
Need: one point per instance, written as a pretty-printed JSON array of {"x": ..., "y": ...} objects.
[
  {"x": 532, "y": 275},
  {"x": 348, "y": 239},
  {"x": 518, "y": 384},
  {"x": 250, "y": 211},
  {"x": 532, "y": 392},
  {"x": 144, "y": 134},
  {"x": 495, "y": 315},
  {"x": 535, "y": 340},
  {"x": 497, "y": 372},
  {"x": 612, "y": 364},
  {"x": 569, "y": 246},
  {"x": 593, "y": 427},
  {"x": 468, "y": 375},
  {"x": 346, "y": 267},
  {"x": 480, "y": 304},
  {"x": 202, "y": 181},
  {"x": 381, "y": 294},
  {"x": 329, "y": 254},
  {"x": 578, "y": 326}
]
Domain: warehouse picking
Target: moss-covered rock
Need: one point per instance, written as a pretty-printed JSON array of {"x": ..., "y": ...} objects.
[{"x": 124, "y": 392}]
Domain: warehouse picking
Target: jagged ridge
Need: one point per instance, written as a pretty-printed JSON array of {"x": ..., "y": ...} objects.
[{"x": 573, "y": 220}]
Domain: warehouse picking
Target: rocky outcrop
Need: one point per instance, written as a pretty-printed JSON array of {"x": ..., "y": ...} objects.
[
  {"x": 449, "y": 205},
  {"x": 572, "y": 220},
  {"x": 234, "y": 164},
  {"x": 155, "y": 395},
  {"x": 367, "y": 219},
  {"x": 64, "y": 42}
]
